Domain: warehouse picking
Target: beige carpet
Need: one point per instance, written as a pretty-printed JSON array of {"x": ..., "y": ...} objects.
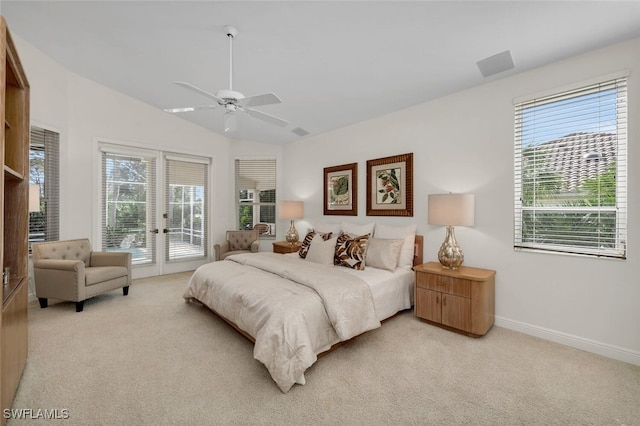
[{"x": 152, "y": 359}]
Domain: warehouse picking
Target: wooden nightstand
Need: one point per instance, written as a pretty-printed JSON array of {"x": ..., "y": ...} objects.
[
  {"x": 284, "y": 247},
  {"x": 460, "y": 300}
]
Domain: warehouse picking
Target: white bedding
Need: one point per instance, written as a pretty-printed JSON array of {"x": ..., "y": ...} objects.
[
  {"x": 295, "y": 309},
  {"x": 392, "y": 291}
]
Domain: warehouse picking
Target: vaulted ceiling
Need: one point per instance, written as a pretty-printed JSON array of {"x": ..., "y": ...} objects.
[{"x": 333, "y": 63}]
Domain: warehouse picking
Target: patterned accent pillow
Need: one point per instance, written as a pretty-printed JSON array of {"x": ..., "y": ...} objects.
[
  {"x": 350, "y": 251},
  {"x": 306, "y": 243}
]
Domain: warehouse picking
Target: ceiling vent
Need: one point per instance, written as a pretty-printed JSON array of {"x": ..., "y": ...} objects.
[
  {"x": 495, "y": 64},
  {"x": 300, "y": 131}
]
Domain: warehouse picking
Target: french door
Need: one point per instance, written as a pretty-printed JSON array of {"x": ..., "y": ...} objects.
[{"x": 155, "y": 205}]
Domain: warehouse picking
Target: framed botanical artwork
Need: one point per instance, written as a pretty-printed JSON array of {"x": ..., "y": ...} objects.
[
  {"x": 390, "y": 186},
  {"x": 341, "y": 190}
]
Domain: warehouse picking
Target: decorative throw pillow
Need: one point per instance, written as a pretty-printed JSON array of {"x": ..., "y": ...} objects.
[
  {"x": 321, "y": 250},
  {"x": 349, "y": 251},
  {"x": 306, "y": 243},
  {"x": 408, "y": 233},
  {"x": 383, "y": 253}
]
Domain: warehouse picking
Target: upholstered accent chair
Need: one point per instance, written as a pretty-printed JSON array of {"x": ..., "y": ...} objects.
[
  {"x": 70, "y": 270},
  {"x": 237, "y": 242}
]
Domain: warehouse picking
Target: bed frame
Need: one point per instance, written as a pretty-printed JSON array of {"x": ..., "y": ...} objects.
[{"x": 418, "y": 250}]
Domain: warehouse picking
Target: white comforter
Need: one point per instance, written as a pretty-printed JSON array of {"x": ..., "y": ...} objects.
[{"x": 293, "y": 309}]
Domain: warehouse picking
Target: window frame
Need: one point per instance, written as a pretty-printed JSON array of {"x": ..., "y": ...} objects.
[
  {"x": 253, "y": 194},
  {"x": 48, "y": 142},
  {"x": 597, "y": 87}
]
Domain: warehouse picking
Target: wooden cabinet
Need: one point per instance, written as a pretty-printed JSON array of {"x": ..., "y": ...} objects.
[
  {"x": 284, "y": 247},
  {"x": 462, "y": 299},
  {"x": 14, "y": 220}
]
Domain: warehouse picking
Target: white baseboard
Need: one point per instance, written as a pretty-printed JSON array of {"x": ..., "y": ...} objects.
[{"x": 610, "y": 351}]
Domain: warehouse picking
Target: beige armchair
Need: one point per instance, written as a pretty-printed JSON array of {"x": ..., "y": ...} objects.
[
  {"x": 237, "y": 242},
  {"x": 70, "y": 270}
]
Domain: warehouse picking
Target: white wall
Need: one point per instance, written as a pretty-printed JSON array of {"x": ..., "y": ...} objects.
[
  {"x": 84, "y": 112},
  {"x": 464, "y": 143}
]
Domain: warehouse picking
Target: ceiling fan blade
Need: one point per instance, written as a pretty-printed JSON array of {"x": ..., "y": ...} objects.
[
  {"x": 267, "y": 117},
  {"x": 188, "y": 109},
  {"x": 198, "y": 90},
  {"x": 259, "y": 100}
]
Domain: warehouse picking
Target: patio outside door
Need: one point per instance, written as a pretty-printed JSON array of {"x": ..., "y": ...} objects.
[
  {"x": 185, "y": 213},
  {"x": 160, "y": 218}
]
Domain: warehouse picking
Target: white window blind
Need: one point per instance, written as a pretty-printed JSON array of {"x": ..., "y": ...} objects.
[
  {"x": 128, "y": 206},
  {"x": 256, "y": 195},
  {"x": 44, "y": 177},
  {"x": 186, "y": 207},
  {"x": 571, "y": 171}
]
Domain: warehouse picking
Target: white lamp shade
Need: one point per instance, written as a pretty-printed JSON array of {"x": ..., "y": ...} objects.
[
  {"x": 34, "y": 198},
  {"x": 451, "y": 209},
  {"x": 291, "y": 210}
]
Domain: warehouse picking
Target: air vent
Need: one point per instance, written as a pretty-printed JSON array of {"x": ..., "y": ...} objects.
[
  {"x": 495, "y": 64},
  {"x": 300, "y": 131}
]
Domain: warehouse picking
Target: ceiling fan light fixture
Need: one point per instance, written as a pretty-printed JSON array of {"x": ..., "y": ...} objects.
[{"x": 230, "y": 122}]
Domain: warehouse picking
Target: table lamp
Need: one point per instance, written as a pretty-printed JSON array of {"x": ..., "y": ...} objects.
[
  {"x": 451, "y": 210},
  {"x": 291, "y": 210}
]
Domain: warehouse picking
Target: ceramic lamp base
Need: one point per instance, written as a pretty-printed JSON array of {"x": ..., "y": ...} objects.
[
  {"x": 292, "y": 236},
  {"x": 450, "y": 255}
]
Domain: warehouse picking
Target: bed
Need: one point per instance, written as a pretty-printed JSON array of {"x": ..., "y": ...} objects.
[{"x": 295, "y": 309}]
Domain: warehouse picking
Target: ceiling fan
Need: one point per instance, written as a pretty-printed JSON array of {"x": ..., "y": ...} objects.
[{"x": 231, "y": 100}]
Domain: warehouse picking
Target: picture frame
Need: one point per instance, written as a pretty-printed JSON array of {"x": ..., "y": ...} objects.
[
  {"x": 390, "y": 186},
  {"x": 341, "y": 190}
]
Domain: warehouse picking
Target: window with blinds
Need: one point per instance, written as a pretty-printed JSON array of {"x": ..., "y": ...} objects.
[
  {"x": 256, "y": 195},
  {"x": 571, "y": 171},
  {"x": 44, "y": 185}
]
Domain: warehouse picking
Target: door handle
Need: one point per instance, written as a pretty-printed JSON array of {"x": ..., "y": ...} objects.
[
  {"x": 165, "y": 231},
  {"x": 154, "y": 231}
]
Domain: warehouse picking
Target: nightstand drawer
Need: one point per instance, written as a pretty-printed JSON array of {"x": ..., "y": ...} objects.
[{"x": 449, "y": 285}]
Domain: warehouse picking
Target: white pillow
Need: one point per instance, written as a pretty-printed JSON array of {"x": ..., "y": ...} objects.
[
  {"x": 408, "y": 233},
  {"x": 321, "y": 251},
  {"x": 358, "y": 228},
  {"x": 383, "y": 253}
]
